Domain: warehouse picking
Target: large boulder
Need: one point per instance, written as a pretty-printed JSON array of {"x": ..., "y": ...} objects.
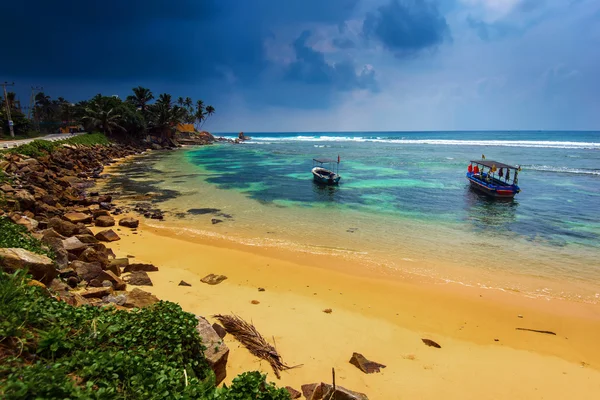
[
  {"x": 78, "y": 217},
  {"x": 39, "y": 266},
  {"x": 105, "y": 221},
  {"x": 91, "y": 255},
  {"x": 98, "y": 292},
  {"x": 86, "y": 238},
  {"x": 139, "y": 278},
  {"x": 107, "y": 236},
  {"x": 129, "y": 222},
  {"x": 138, "y": 298},
  {"x": 63, "y": 227},
  {"x": 216, "y": 352}
]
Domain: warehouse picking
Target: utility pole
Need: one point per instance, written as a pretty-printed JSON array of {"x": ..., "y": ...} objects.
[
  {"x": 34, "y": 90},
  {"x": 10, "y": 123}
]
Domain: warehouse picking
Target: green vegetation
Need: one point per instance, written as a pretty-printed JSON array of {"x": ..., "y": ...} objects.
[
  {"x": 51, "y": 350},
  {"x": 132, "y": 118},
  {"x": 38, "y": 148},
  {"x": 14, "y": 235}
]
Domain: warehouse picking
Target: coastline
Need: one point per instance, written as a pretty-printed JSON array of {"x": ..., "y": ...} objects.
[{"x": 382, "y": 317}]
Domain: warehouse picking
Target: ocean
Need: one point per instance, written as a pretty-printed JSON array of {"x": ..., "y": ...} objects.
[{"x": 403, "y": 204}]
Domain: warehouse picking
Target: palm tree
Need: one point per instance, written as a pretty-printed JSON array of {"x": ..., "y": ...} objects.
[
  {"x": 210, "y": 110},
  {"x": 180, "y": 101},
  {"x": 189, "y": 104},
  {"x": 10, "y": 98},
  {"x": 44, "y": 108},
  {"x": 199, "y": 114},
  {"x": 165, "y": 99},
  {"x": 103, "y": 117},
  {"x": 140, "y": 98}
]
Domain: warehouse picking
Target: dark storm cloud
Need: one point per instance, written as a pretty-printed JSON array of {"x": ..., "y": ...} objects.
[
  {"x": 185, "y": 40},
  {"x": 407, "y": 27},
  {"x": 310, "y": 67}
]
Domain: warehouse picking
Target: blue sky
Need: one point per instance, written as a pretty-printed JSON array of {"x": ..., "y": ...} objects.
[{"x": 322, "y": 65}]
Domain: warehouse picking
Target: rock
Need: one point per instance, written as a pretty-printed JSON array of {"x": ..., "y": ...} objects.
[
  {"x": 25, "y": 199},
  {"x": 39, "y": 266},
  {"x": 129, "y": 222},
  {"x": 104, "y": 221},
  {"x": 105, "y": 206},
  {"x": 58, "y": 286},
  {"x": 324, "y": 391},
  {"x": 184, "y": 283},
  {"x": 96, "y": 293},
  {"x": 88, "y": 271},
  {"x": 255, "y": 302},
  {"x": 91, "y": 255},
  {"x": 74, "y": 245},
  {"x": 63, "y": 227},
  {"x": 294, "y": 394},
  {"x": 117, "y": 282},
  {"x": 216, "y": 352},
  {"x": 86, "y": 238},
  {"x": 216, "y": 221},
  {"x": 139, "y": 278},
  {"x": 100, "y": 213},
  {"x": 213, "y": 279},
  {"x": 366, "y": 366},
  {"x": 341, "y": 393},
  {"x": 312, "y": 391},
  {"x": 51, "y": 233},
  {"x": 29, "y": 223},
  {"x": 431, "y": 343},
  {"x": 261, "y": 289},
  {"x": 116, "y": 265},
  {"x": 328, "y": 311},
  {"x": 78, "y": 217},
  {"x": 119, "y": 300},
  {"x": 107, "y": 236},
  {"x": 220, "y": 330},
  {"x": 140, "y": 267},
  {"x": 138, "y": 298},
  {"x": 72, "y": 281}
]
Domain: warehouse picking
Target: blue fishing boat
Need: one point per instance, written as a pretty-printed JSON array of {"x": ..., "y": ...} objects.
[
  {"x": 494, "y": 178},
  {"x": 324, "y": 175}
]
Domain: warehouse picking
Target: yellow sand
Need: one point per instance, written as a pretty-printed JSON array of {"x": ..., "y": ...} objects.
[{"x": 382, "y": 317}]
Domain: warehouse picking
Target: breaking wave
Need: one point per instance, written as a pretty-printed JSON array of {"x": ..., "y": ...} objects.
[{"x": 434, "y": 142}]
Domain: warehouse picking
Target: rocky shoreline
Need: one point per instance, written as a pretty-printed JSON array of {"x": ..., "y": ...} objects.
[{"x": 53, "y": 198}]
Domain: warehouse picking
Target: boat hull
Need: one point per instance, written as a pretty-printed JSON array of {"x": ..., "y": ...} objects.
[
  {"x": 325, "y": 177},
  {"x": 492, "y": 189}
]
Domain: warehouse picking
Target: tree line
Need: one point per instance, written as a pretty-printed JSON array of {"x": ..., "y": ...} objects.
[{"x": 139, "y": 114}]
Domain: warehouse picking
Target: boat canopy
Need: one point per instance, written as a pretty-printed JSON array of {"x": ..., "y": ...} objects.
[
  {"x": 491, "y": 163},
  {"x": 324, "y": 160}
]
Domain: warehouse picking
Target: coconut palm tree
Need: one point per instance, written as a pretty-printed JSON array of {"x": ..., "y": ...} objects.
[
  {"x": 165, "y": 99},
  {"x": 210, "y": 110},
  {"x": 140, "y": 98},
  {"x": 180, "y": 101},
  {"x": 100, "y": 116},
  {"x": 199, "y": 114},
  {"x": 189, "y": 104}
]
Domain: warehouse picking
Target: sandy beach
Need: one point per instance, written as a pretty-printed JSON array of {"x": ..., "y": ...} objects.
[{"x": 382, "y": 316}]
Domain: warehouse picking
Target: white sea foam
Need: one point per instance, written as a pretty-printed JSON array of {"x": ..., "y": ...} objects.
[
  {"x": 439, "y": 142},
  {"x": 565, "y": 170}
]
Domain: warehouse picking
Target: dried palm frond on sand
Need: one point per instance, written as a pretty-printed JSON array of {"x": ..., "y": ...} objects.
[{"x": 247, "y": 335}]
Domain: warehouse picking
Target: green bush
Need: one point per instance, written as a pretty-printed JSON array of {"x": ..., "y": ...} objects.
[
  {"x": 14, "y": 235},
  {"x": 39, "y": 147},
  {"x": 52, "y": 350}
]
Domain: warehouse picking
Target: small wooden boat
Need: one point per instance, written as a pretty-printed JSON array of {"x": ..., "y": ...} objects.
[
  {"x": 494, "y": 178},
  {"x": 324, "y": 175}
]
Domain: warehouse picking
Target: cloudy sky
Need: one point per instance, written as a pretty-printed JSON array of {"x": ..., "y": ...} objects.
[{"x": 322, "y": 65}]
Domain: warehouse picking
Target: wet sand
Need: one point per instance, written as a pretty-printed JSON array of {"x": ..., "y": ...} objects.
[{"x": 381, "y": 315}]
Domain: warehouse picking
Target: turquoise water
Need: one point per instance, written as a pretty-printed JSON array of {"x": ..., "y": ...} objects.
[{"x": 403, "y": 200}]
